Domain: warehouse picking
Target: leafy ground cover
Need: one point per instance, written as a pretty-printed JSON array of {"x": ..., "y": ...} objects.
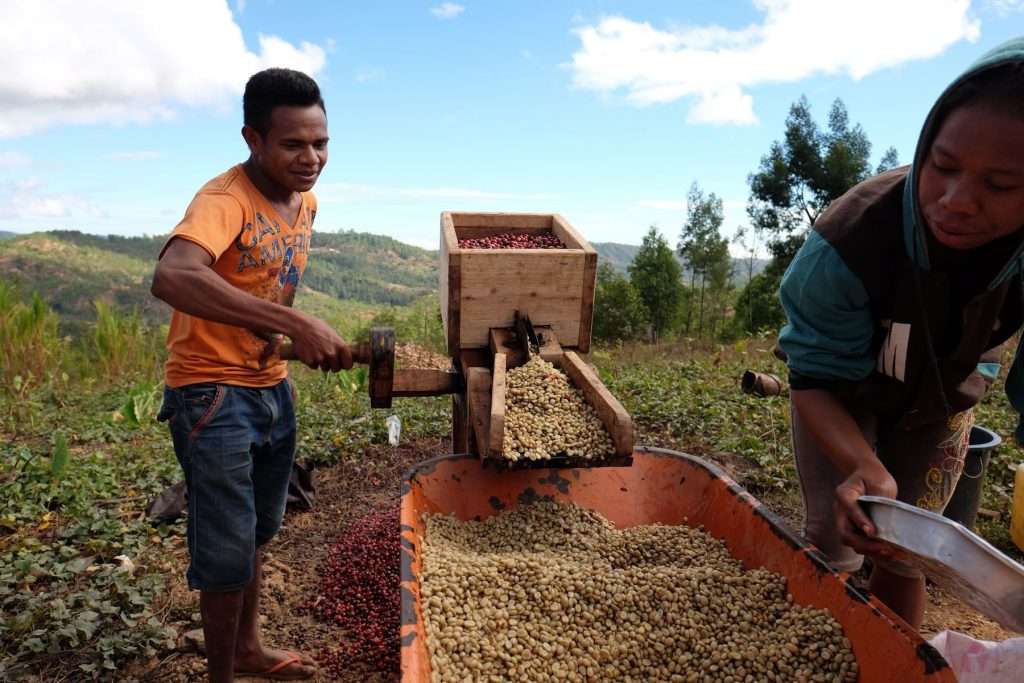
[
  {"x": 690, "y": 397},
  {"x": 89, "y": 586}
]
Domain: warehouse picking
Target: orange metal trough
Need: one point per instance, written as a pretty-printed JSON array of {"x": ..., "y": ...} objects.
[{"x": 666, "y": 487}]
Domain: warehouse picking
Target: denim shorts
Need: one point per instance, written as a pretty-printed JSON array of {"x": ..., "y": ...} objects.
[{"x": 236, "y": 446}]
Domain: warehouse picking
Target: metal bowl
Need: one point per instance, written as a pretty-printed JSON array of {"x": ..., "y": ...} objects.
[{"x": 954, "y": 558}]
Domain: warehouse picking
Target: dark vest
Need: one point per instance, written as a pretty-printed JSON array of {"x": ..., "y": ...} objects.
[{"x": 926, "y": 363}]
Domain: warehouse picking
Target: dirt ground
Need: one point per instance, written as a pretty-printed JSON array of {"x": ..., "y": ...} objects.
[
  {"x": 294, "y": 561},
  {"x": 352, "y": 489}
]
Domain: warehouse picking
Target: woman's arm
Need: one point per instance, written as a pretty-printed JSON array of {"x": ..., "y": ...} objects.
[{"x": 839, "y": 436}]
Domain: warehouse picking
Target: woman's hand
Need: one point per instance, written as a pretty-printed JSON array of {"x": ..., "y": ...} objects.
[{"x": 870, "y": 478}]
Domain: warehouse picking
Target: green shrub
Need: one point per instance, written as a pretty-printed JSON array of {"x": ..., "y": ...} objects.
[{"x": 31, "y": 348}]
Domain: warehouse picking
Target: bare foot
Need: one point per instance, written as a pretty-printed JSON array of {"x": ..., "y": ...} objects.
[{"x": 278, "y": 665}]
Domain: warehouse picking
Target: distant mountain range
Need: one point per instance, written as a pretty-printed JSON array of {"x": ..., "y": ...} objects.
[{"x": 71, "y": 270}]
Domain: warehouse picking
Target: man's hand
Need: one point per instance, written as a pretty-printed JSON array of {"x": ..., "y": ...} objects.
[
  {"x": 316, "y": 344},
  {"x": 855, "y": 527}
]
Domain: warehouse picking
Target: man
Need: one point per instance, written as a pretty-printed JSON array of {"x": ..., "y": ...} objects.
[
  {"x": 230, "y": 271},
  {"x": 898, "y": 306}
]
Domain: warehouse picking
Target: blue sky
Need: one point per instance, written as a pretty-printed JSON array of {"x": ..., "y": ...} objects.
[{"x": 605, "y": 112}]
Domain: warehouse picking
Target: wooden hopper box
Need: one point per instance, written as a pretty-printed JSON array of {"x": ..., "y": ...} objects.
[{"x": 482, "y": 289}]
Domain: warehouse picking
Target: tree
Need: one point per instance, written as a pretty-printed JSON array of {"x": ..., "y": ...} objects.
[
  {"x": 719, "y": 285},
  {"x": 619, "y": 312},
  {"x": 795, "y": 182},
  {"x": 703, "y": 248},
  {"x": 656, "y": 275},
  {"x": 889, "y": 161},
  {"x": 749, "y": 240},
  {"x": 757, "y": 307},
  {"x": 802, "y": 174}
]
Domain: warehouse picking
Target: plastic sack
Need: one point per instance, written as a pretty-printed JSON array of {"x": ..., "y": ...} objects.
[
  {"x": 394, "y": 429},
  {"x": 981, "y": 661}
]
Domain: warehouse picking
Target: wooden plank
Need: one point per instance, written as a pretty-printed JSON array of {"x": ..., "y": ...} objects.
[
  {"x": 474, "y": 358},
  {"x": 477, "y": 231},
  {"x": 496, "y": 435},
  {"x": 501, "y": 220},
  {"x": 587, "y": 302},
  {"x": 550, "y": 349},
  {"x": 568, "y": 234},
  {"x": 568, "y": 327},
  {"x": 547, "y": 286},
  {"x": 614, "y": 417},
  {"x": 445, "y": 287},
  {"x": 478, "y": 394},
  {"x": 503, "y": 340},
  {"x": 525, "y": 262},
  {"x": 425, "y": 382},
  {"x": 482, "y": 288},
  {"x": 454, "y": 297},
  {"x": 449, "y": 240}
]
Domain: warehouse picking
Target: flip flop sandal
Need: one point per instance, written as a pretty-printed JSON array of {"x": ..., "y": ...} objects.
[{"x": 275, "y": 673}]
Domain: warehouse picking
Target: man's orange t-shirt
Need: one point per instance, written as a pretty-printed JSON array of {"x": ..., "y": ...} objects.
[{"x": 254, "y": 250}]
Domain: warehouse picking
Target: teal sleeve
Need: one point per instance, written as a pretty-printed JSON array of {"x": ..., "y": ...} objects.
[
  {"x": 830, "y": 326},
  {"x": 989, "y": 371},
  {"x": 1015, "y": 390}
]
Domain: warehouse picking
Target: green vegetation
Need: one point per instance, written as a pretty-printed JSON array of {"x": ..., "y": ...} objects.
[
  {"x": 706, "y": 252},
  {"x": 656, "y": 276},
  {"x": 85, "y": 577},
  {"x": 796, "y": 181},
  {"x": 84, "y": 574},
  {"x": 619, "y": 312},
  {"x": 72, "y": 270}
]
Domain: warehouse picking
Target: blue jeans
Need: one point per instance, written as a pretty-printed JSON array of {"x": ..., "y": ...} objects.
[{"x": 236, "y": 446}]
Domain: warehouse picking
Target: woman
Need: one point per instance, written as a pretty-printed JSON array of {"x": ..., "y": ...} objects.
[{"x": 898, "y": 305}]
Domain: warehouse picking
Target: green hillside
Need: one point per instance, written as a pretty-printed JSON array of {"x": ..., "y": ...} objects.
[
  {"x": 70, "y": 276},
  {"x": 71, "y": 270}
]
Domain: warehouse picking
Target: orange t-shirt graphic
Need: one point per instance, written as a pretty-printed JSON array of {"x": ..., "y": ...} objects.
[{"x": 257, "y": 252}]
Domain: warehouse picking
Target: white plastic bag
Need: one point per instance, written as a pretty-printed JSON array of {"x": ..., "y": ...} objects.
[
  {"x": 394, "y": 424},
  {"x": 981, "y": 661}
]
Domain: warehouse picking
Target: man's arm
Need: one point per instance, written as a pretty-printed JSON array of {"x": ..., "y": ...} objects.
[{"x": 185, "y": 280}]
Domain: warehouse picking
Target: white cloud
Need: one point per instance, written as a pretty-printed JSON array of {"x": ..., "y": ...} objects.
[
  {"x": 137, "y": 155},
  {"x": 447, "y": 10},
  {"x": 29, "y": 199},
  {"x": 14, "y": 160},
  {"x": 344, "y": 192},
  {"x": 109, "y": 61},
  {"x": 795, "y": 39}
]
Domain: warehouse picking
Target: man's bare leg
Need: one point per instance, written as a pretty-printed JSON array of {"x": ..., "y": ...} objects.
[
  {"x": 221, "y": 613},
  {"x": 249, "y": 653}
]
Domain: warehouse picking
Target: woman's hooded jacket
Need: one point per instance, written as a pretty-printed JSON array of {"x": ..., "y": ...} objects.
[{"x": 879, "y": 316}]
